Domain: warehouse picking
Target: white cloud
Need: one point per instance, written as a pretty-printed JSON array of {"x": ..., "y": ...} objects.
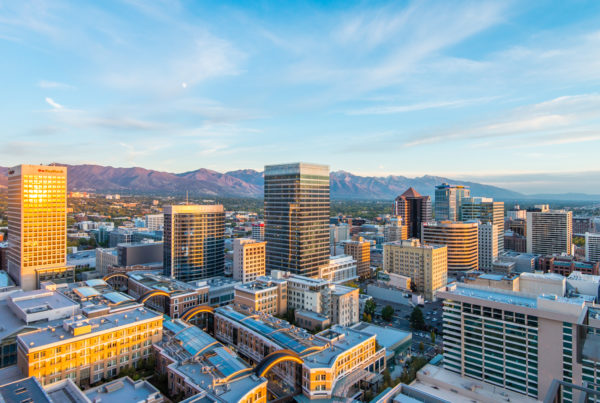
[
  {"x": 53, "y": 85},
  {"x": 53, "y": 103}
]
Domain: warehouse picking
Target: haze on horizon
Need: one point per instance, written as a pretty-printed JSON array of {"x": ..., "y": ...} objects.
[{"x": 503, "y": 93}]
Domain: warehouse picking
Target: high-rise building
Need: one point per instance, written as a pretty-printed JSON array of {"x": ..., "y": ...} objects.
[
  {"x": 414, "y": 210},
  {"x": 549, "y": 232},
  {"x": 581, "y": 225},
  {"x": 155, "y": 222},
  {"x": 461, "y": 239},
  {"x": 486, "y": 210},
  {"x": 297, "y": 217},
  {"x": 194, "y": 244},
  {"x": 258, "y": 231},
  {"x": 448, "y": 201},
  {"x": 395, "y": 230},
  {"x": 37, "y": 222},
  {"x": 248, "y": 259},
  {"x": 488, "y": 245},
  {"x": 592, "y": 246},
  {"x": 426, "y": 265},
  {"x": 522, "y": 341},
  {"x": 360, "y": 250}
]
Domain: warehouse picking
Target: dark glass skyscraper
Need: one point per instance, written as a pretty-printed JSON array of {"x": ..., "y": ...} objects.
[
  {"x": 414, "y": 210},
  {"x": 297, "y": 217},
  {"x": 194, "y": 241}
]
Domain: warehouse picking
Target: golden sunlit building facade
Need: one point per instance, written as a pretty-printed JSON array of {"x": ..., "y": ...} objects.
[
  {"x": 37, "y": 222},
  {"x": 461, "y": 238},
  {"x": 87, "y": 350}
]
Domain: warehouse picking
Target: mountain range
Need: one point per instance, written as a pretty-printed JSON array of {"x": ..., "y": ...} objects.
[{"x": 249, "y": 183}]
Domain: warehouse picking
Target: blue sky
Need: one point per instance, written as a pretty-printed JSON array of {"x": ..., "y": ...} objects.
[{"x": 491, "y": 91}]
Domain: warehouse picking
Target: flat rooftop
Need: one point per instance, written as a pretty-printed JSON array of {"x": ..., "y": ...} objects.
[
  {"x": 123, "y": 390},
  {"x": 24, "y": 390},
  {"x": 447, "y": 385},
  {"x": 342, "y": 339},
  {"x": 49, "y": 335},
  {"x": 40, "y": 300},
  {"x": 491, "y": 294},
  {"x": 389, "y": 337}
]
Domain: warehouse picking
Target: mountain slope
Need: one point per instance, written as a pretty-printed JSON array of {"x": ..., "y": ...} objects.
[{"x": 249, "y": 183}]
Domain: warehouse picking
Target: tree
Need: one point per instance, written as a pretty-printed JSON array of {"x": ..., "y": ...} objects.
[
  {"x": 579, "y": 241},
  {"x": 290, "y": 315},
  {"x": 416, "y": 319},
  {"x": 370, "y": 307},
  {"x": 387, "y": 312},
  {"x": 421, "y": 347},
  {"x": 367, "y": 317},
  {"x": 413, "y": 286},
  {"x": 432, "y": 336}
]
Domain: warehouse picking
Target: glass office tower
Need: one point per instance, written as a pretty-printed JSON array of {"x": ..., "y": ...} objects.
[
  {"x": 194, "y": 241},
  {"x": 297, "y": 217}
]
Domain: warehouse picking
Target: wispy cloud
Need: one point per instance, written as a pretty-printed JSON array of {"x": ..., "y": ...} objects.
[
  {"x": 393, "y": 109},
  {"x": 53, "y": 103},
  {"x": 53, "y": 85}
]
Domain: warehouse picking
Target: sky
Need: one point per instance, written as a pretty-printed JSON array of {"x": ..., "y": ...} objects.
[{"x": 503, "y": 92}]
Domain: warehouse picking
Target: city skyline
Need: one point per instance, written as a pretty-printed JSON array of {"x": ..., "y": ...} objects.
[{"x": 486, "y": 92}]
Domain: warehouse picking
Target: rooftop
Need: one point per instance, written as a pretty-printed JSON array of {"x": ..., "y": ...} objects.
[
  {"x": 123, "y": 390},
  {"x": 341, "y": 339},
  {"x": 24, "y": 390},
  {"x": 389, "y": 337},
  {"x": 53, "y": 334}
]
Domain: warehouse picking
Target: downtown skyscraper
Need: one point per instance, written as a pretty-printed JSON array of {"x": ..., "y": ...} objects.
[
  {"x": 414, "y": 210},
  {"x": 37, "y": 222},
  {"x": 194, "y": 241},
  {"x": 297, "y": 217},
  {"x": 448, "y": 201}
]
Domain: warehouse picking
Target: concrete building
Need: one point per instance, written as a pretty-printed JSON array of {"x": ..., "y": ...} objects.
[
  {"x": 592, "y": 246},
  {"x": 334, "y": 362},
  {"x": 155, "y": 222},
  {"x": 515, "y": 242},
  {"x": 448, "y": 201},
  {"x": 486, "y": 210},
  {"x": 248, "y": 259},
  {"x": 581, "y": 225},
  {"x": 122, "y": 340},
  {"x": 549, "y": 232},
  {"x": 425, "y": 265},
  {"x": 221, "y": 290},
  {"x": 566, "y": 265},
  {"x": 461, "y": 238},
  {"x": 194, "y": 246},
  {"x": 520, "y": 341},
  {"x": 120, "y": 235},
  {"x": 258, "y": 231},
  {"x": 266, "y": 295},
  {"x": 516, "y": 213},
  {"x": 360, "y": 250},
  {"x": 297, "y": 217},
  {"x": 488, "y": 245},
  {"x": 105, "y": 258},
  {"x": 341, "y": 269},
  {"x": 338, "y": 233},
  {"x": 414, "y": 210},
  {"x": 524, "y": 262},
  {"x": 138, "y": 253},
  {"x": 395, "y": 230},
  {"x": 37, "y": 223}
]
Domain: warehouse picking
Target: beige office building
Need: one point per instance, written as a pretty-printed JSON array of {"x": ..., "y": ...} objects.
[
  {"x": 248, "y": 259},
  {"x": 461, "y": 239},
  {"x": 549, "y": 232},
  {"x": 486, "y": 210},
  {"x": 488, "y": 245},
  {"x": 426, "y": 265},
  {"x": 360, "y": 250},
  {"x": 37, "y": 223}
]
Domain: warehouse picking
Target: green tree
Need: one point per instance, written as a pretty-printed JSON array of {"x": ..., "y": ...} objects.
[
  {"x": 370, "y": 307},
  {"x": 387, "y": 312},
  {"x": 432, "y": 336},
  {"x": 579, "y": 241},
  {"x": 421, "y": 347},
  {"x": 416, "y": 319},
  {"x": 290, "y": 315},
  {"x": 367, "y": 317}
]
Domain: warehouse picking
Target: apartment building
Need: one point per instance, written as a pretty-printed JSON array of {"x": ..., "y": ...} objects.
[
  {"x": 425, "y": 265},
  {"x": 341, "y": 269},
  {"x": 488, "y": 245},
  {"x": 248, "y": 259},
  {"x": 87, "y": 350},
  {"x": 592, "y": 246},
  {"x": 549, "y": 232}
]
